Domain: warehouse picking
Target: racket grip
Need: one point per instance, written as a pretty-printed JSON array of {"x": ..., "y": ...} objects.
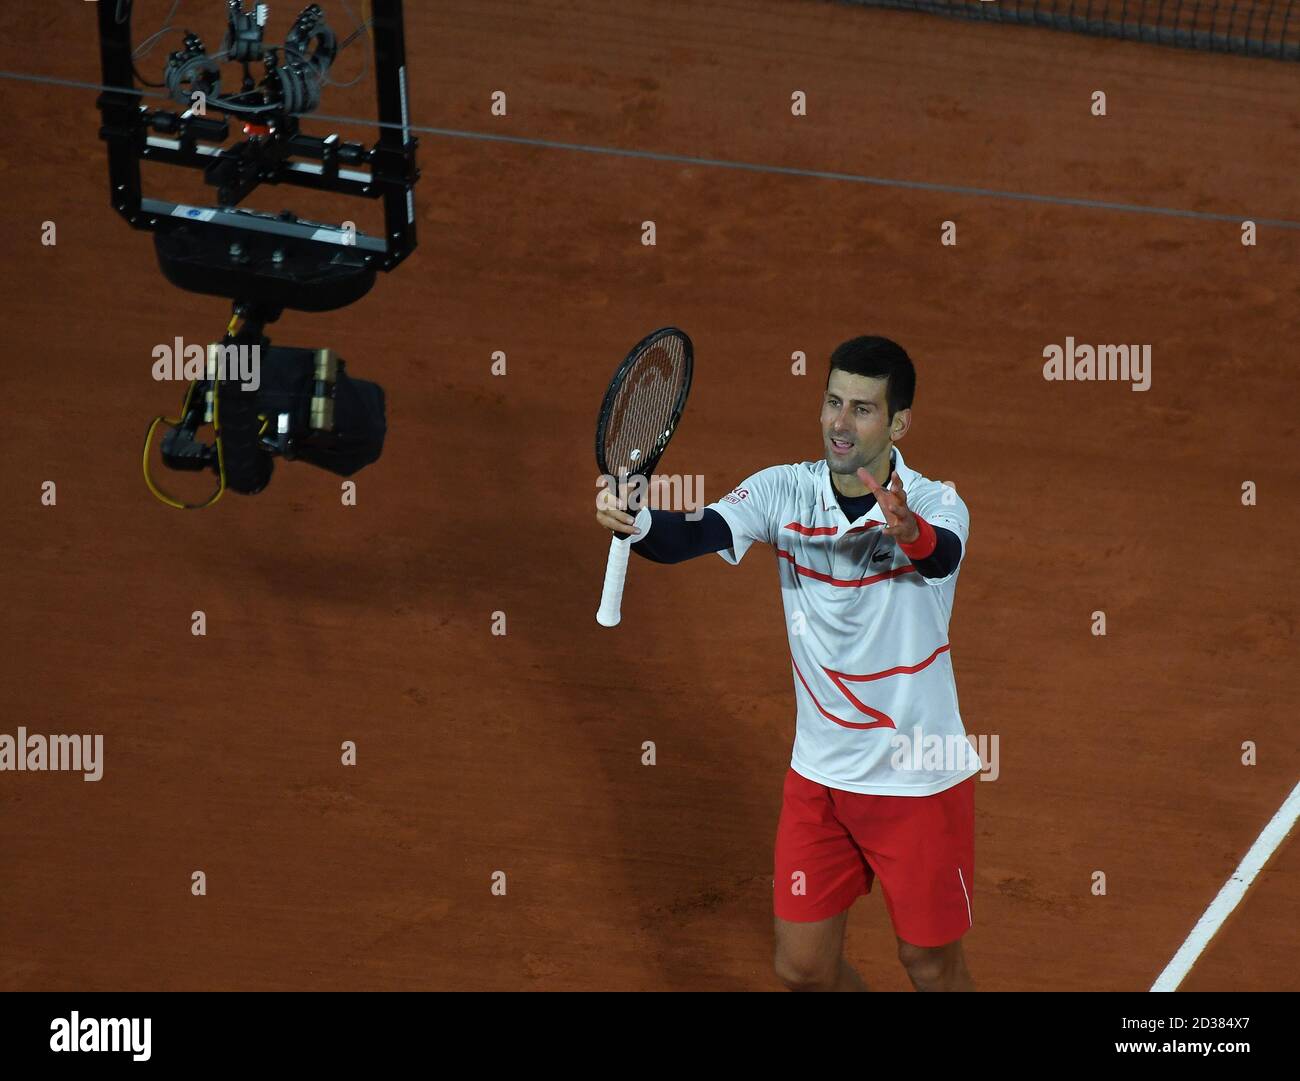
[{"x": 611, "y": 596}]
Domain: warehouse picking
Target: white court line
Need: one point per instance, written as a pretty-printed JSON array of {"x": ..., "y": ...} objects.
[{"x": 1232, "y": 892}]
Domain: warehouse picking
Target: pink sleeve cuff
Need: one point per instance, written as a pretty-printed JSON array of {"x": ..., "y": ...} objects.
[{"x": 924, "y": 545}]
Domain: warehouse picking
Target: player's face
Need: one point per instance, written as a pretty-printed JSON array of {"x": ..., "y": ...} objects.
[{"x": 855, "y": 421}]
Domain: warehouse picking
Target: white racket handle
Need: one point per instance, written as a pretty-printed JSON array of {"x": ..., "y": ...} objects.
[{"x": 611, "y": 597}]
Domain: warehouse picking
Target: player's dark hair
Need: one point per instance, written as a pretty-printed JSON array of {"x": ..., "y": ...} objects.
[{"x": 875, "y": 358}]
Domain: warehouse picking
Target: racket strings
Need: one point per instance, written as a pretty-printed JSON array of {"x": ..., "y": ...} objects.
[
  {"x": 650, "y": 404},
  {"x": 642, "y": 415}
]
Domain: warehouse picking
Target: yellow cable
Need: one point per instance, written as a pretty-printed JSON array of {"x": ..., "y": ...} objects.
[
  {"x": 216, "y": 426},
  {"x": 221, "y": 457},
  {"x": 235, "y": 325}
]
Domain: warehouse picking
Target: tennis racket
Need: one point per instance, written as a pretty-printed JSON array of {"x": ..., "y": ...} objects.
[{"x": 637, "y": 418}]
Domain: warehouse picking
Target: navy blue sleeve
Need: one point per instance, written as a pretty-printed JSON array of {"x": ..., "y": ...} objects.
[
  {"x": 673, "y": 537},
  {"x": 944, "y": 559}
]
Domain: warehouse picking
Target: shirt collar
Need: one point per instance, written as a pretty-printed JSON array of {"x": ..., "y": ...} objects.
[{"x": 875, "y": 514}]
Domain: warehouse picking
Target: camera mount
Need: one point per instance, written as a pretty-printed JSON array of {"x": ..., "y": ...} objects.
[
  {"x": 264, "y": 263},
  {"x": 243, "y": 254}
]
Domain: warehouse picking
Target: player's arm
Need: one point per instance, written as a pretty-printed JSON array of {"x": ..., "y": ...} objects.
[
  {"x": 664, "y": 536},
  {"x": 934, "y": 551},
  {"x": 669, "y": 536}
]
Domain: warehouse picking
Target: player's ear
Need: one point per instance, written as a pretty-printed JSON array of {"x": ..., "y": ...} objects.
[{"x": 899, "y": 423}]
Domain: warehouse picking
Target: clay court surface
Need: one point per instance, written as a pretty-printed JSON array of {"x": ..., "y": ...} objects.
[{"x": 480, "y": 753}]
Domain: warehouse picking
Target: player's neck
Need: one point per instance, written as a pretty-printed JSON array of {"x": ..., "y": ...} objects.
[{"x": 848, "y": 484}]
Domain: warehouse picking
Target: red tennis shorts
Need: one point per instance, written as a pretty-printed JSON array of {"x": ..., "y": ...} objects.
[{"x": 831, "y": 845}]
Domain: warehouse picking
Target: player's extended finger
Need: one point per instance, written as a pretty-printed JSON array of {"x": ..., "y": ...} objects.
[
  {"x": 607, "y": 504},
  {"x": 896, "y": 486},
  {"x": 616, "y": 513},
  {"x": 618, "y": 521},
  {"x": 865, "y": 476},
  {"x": 887, "y": 501}
]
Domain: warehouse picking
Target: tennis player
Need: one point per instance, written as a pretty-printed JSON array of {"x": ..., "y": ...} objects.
[{"x": 881, "y": 780}]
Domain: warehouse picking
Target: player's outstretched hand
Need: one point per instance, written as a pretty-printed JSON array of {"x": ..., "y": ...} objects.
[
  {"x": 900, "y": 522},
  {"x": 611, "y": 510}
]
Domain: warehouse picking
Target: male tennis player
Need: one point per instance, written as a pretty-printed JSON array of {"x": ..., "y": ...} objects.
[{"x": 868, "y": 553}]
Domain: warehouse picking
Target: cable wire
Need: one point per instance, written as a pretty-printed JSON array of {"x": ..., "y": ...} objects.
[{"x": 723, "y": 163}]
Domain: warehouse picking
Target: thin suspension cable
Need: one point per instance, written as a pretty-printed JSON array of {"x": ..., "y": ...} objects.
[{"x": 722, "y": 163}]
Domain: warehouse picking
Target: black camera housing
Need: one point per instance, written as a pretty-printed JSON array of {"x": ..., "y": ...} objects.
[{"x": 305, "y": 406}]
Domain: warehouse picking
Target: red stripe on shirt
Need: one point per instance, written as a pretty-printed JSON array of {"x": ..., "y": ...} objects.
[
  {"x": 847, "y": 583},
  {"x": 901, "y": 669},
  {"x": 812, "y": 530},
  {"x": 882, "y": 721}
]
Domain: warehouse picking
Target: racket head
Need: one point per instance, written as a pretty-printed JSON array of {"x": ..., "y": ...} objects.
[{"x": 644, "y": 403}]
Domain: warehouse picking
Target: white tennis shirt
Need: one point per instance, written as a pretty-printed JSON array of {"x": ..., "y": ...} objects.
[{"x": 873, "y": 681}]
